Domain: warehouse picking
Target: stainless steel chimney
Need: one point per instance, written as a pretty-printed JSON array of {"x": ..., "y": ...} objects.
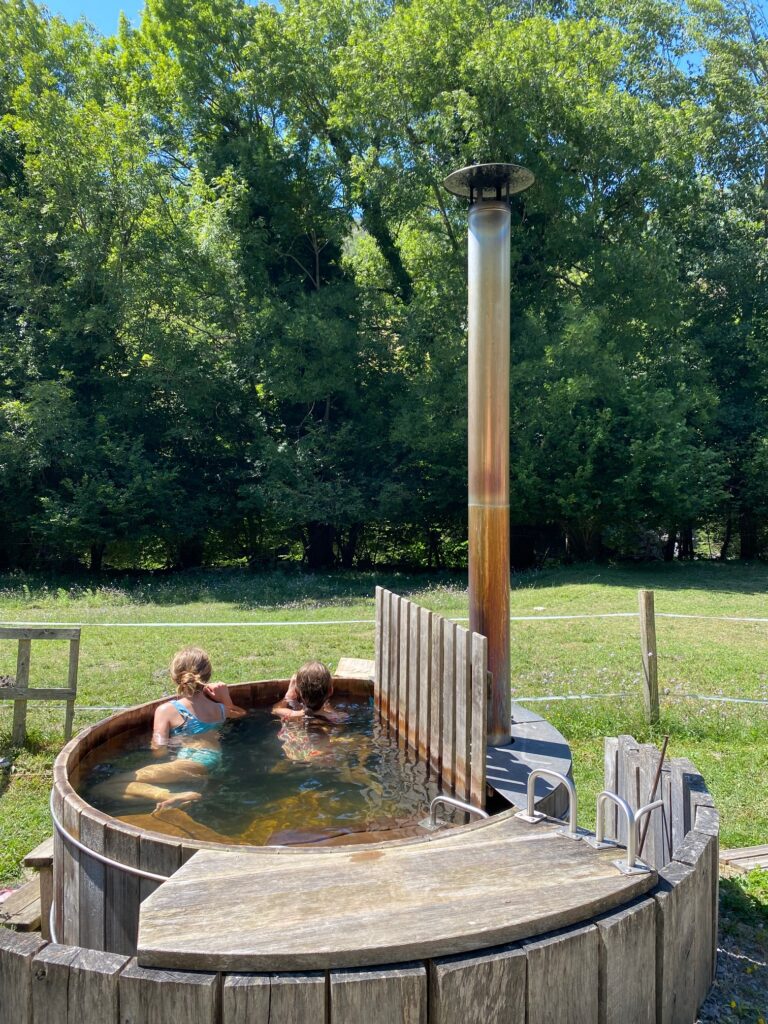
[{"x": 488, "y": 188}]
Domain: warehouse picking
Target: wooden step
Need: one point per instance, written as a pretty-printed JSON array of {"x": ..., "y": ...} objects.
[
  {"x": 745, "y": 858},
  {"x": 21, "y": 910}
]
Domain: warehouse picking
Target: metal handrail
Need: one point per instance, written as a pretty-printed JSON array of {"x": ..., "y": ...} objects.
[
  {"x": 453, "y": 802},
  {"x": 640, "y": 813},
  {"x": 128, "y": 868},
  {"x": 532, "y": 816}
]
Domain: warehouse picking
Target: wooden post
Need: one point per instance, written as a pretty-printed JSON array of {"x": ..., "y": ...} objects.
[
  {"x": 22, "y": 683},
  {"x": 74, "y": 657},
  {"x": 650, "y": 656}
]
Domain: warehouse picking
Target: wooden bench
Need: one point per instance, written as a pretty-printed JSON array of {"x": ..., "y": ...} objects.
[
  {"x": 21, "y": 910},
  {"x": 41, "y": 859}
]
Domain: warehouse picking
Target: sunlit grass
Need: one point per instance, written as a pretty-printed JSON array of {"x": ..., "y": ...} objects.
[{"x": 550, "y": 658}]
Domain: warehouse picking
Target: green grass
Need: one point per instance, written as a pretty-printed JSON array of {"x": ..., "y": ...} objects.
[{"x": 549, "y": 658}]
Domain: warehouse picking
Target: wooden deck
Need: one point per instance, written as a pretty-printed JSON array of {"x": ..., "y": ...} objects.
[
  {"x": 745, "y": 858},
  {"x": 498, "y": 883}
]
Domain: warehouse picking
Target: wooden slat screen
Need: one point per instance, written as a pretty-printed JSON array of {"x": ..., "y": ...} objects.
[{"x": 430, "y": 686}]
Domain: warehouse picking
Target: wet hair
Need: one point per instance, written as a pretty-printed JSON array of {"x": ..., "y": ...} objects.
[
  {"x": 313, "y": 681},
  {"x": 190, "y": 670}
]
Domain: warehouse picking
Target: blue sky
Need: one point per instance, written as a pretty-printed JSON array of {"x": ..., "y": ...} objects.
[{"x": 101, "y": 13}]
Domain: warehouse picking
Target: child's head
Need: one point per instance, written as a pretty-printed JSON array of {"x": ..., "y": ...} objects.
[
  {"x": 190, "y": 670},
  {"x": 313, "y": 681}
]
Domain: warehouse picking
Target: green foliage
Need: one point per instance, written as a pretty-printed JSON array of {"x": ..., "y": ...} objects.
[{"x": 232, "y": 298}]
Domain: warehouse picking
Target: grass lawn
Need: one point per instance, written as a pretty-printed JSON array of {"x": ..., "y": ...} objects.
[{"x": 559, "y": 658}]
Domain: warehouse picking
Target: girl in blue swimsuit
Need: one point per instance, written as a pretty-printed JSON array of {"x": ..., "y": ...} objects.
[{"x": 186, "y": 728}]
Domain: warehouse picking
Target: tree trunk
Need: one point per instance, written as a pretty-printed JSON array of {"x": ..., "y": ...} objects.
[
  {"x": 348, "y": 545},
  {"x": 686, "y": 542},
  {"x": 669, "y": 547},
  {"x": 319, "y": 547},
  {"x": 748, "y": 534},
  {"x": 97, "y": 556},
  {"x": 728, "y": 537}
]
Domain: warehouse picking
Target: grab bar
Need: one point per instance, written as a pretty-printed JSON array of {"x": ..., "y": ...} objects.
[
  {"x": 431, "y": 822},
  {"x": 531, "y": 815},
  {"x": 630, "y": 866}
]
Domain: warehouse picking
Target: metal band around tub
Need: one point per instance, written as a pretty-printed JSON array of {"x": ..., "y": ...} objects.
[{"x": 129, "y": 869}]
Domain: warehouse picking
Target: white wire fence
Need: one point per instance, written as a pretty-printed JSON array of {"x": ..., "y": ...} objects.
[{"x": 315, "y": 623}]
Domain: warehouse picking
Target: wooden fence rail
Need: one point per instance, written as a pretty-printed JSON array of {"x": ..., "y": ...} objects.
[
  {"x": 431, "y": 686},
  {"x": 20, "y": 692}
]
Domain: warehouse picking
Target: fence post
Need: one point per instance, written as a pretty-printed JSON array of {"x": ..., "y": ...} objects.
[
  {"x": 650, "y": 656},
  {"x": 19, "y": 734}
]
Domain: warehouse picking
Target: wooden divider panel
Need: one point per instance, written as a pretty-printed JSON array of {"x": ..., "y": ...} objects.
[
  {"x": 479, "y": 723},
  {"x": 448, "y": 688},
  {"x": 425, "y": 681},
  {"x": 377, "y": 649},
  {"x": 435, "y": 695},
  {"x": 462, "y": 689},
  {"x": 403, "y": 682},
  {"x": 430, "y": 686},
  {"x": 414, "y": 665}
]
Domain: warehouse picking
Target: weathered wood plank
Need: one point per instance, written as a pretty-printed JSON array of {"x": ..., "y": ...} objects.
[
  {"x": 161, "y": 857},
  {"x": 627, "y": 964},
  {"x": 394, "y": 660},
  {"x": 377, "y": 648},
  {"x": 17, "y": 951},
  {"x": 245, "y": 999},
  {"x": 93, "y": 987},
  {"x": 488, "y": 987},
  {"x": 167, "y": 997},
  {"x": 50, "y": 983},
  {"x": 297, "y": 997},
  {"x": 425, "y": 681},
  {"x": 653, "y": 827},
  {"x": 19, "y": 728},
  {"x": 92, "y": 885},
  {"x": 74, "y": 658},
  {"x": 435, "y": 696},
  {"x": 449, "y": 705},
  {"x": 122, "y": 887},
  {"x": 699, "y": 851},
  {"x": 676, "y": 1001},
  {"x": 41, "y": 856},
  {"x": 38, "y": 633},
  {"x": 611, "y": 769},
  {"x": 563, "y": 977},
  {"x": 682, "y": 771},
  {"x": 479, "y": 728},
  {"x": 650, "y": 656},
  {"x": 628, "y": 776},
  {"x": 70, "y": 931},
  {"x": 388, "y": 995},
  {"x": 403, "y": 680},
  {"x": 28, "y": 693},
  {"x": 413, "y": 901},
  {"x": 463, "y": 728},
  {"x": 414, "y": 664},
  {"x": 385, "y": 666}
]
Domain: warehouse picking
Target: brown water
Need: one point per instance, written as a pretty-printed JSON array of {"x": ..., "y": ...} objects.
[{"x": 280, "y": 783}]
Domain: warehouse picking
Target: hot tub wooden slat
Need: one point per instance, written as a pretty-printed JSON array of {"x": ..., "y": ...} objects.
[
  {"x": 501, "y": 883},
  {"x": 395, "y": 993},
  {"x": 121, "y": 843}
]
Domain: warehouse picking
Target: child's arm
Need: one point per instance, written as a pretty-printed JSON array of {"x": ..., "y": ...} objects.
[
  {"x": 292, "y": 693},
  {"x": 331, "y": 715},
  {"x": 219, "y": 692},
  {"x": 161, "y": 728},
  {"x": 283, "y": 711}
]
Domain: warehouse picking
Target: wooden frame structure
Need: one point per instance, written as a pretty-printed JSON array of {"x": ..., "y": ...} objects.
[
  {"x": 431, "y": 686},
  {"x": 21, "y": 692}
]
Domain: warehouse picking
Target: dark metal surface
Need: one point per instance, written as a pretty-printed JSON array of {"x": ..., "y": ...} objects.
[{"x": 488, "y": 181}]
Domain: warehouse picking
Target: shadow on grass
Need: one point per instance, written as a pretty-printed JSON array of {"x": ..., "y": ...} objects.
[{"x": 744, "y": 906}]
